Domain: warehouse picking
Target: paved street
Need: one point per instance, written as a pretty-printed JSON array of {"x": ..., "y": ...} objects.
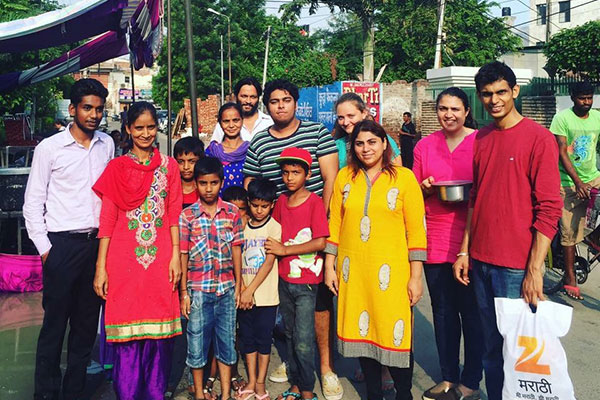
[
  {"x": 580, "y": 345},
  {"x": 20, "y": 320}
]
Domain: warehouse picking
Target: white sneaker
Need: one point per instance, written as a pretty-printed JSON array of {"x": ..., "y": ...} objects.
[
  {"x": 332, "y": 388},
  {"x": 280, "y": 374}
]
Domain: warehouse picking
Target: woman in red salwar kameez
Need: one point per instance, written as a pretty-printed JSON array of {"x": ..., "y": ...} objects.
[{"x": 138, "y": 260}]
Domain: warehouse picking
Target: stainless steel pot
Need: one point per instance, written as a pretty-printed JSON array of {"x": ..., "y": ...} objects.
[{"x": 453, "y": 191}]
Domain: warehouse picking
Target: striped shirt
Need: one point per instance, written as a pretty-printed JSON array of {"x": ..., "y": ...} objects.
[
  {"x": 209, "y": 242},
  {"x": 265, "y": 148}
]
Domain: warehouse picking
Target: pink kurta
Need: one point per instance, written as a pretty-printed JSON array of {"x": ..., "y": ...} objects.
[
  {"x": 141, "y": 303},
  {"x": 445, "y": 222}
]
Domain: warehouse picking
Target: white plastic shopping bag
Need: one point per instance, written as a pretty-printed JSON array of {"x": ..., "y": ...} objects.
[{"x": 535, "y": 364}]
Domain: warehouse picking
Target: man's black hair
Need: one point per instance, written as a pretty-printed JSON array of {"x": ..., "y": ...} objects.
[
  {"x": 407, "y": 113},
  {"x": 233, "y": 193},
  {"x": 262, "y": 189},
  {"x": 280, "y": 84},
  {"x": 247, "y": 81},
  {"x": 207, "y": 166},
  {"x": 305, "y": 167},
  {"x": 493, "y": 72},
  {"x": 87, "y": 87},
  {"x": 191, "y": 145},
  {"x": 579, "y": 88}
]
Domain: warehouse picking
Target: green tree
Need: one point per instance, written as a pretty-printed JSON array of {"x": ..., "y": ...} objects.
[
  {"x": 291, "y": 54},
  {"x": 343, "y": 43},
  {"x": 363, "y": 10},
  {"x": 575, "y": 51},
  {"x": 42, "y": 94},
  {"x": 405, "y": 36}
]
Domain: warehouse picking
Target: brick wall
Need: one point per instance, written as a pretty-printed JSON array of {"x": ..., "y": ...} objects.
[
  {"x": 401, "y": 96},
  {"x": 429, "y": 121},
  {"x": 208, "y": 111},
  {"x": 541, "y": 109}
]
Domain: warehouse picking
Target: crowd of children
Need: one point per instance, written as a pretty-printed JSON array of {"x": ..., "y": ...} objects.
[{"x": 244, "y": 255}]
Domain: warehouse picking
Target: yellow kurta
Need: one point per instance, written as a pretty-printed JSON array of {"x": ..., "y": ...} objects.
[{"x": 377, "y": 228}]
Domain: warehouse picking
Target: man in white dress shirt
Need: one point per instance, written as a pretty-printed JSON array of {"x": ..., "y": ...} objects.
[
  {"x": 247, "y": 92},
  {"x": 61, "y": 214}
]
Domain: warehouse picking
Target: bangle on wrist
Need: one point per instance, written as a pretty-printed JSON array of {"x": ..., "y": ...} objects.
[{"x": 462, "y": 254}]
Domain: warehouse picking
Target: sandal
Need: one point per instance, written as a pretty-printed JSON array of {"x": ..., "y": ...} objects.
[
  {"x": 244, "y": 394},
  {"x": 573, "y": 292},
  {"x": 263, "y": 396},
  {"x": 238, "y": 382},
  {"x": 288, "y": 393},
  {"x": 208, "y": 387},
  {"x": 387, "y": 386}
]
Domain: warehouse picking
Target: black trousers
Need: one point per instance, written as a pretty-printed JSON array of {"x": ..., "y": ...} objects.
[
  {"x": 68, "y": 297},
  {"x": 402, "y": 379}
]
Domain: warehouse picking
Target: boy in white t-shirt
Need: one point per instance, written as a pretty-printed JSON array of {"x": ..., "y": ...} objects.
[{"x": 260, "y": 297}]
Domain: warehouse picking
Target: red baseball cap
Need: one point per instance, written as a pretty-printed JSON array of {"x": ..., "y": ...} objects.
[{"x": 295, "y": 154}]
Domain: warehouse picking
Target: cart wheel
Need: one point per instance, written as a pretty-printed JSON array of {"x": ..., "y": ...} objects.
[{"x": 581, "y": 270}]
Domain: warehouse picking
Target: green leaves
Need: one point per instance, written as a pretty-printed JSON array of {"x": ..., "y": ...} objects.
[{"x": 575, "y": 51}]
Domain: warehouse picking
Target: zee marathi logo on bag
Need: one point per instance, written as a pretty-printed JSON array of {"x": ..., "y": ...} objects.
[{"x": 528, "y": 362}]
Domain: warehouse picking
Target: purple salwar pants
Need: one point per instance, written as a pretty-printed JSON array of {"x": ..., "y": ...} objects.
[{"x": 142, "y": 368}]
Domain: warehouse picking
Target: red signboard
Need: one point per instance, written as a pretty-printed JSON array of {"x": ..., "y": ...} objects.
[{"x": 369, "y": 92}]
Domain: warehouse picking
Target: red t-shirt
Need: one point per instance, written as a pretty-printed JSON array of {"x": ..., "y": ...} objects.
[
  {"x": 301, "y": 224},
  {"x": 516, "y": 192},
  {"x": 190, "y": 198}
]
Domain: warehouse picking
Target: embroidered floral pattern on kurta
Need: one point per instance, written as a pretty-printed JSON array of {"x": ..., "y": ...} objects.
[{"x": 148, "y": 216}]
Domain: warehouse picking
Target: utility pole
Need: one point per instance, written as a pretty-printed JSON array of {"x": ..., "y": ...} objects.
[
  {"x": 169, "y": 77},
  {"x": 548, "y": 14},
  {"x": 229, "y": 52},
  {"x": 222, "y": 75},
  {"x": 264, "y": 80},
  {"x": 369, "y": 49},
  {"x": 192, "y": 71},
  {"x": 437, "y": 62}
]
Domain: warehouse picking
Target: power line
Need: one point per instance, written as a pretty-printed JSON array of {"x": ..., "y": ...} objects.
[
  {"x": 536, "y": 11},
  {"x": 555, "y": 13}
]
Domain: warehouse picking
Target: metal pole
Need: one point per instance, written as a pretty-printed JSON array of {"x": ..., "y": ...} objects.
[
  {"x": 132, "y": 80},
  {"x": 437, "y": 62},
  {"x": 222, "y": 75},
  {"x": 229, "y": 52},
  {"x": 264, "y": 80},
  {"x": 169, "y": 85},
  {"x": 266, "y": 57},
  {"x": 192, "y": 72},
  {"x": 548, "y": 14}
]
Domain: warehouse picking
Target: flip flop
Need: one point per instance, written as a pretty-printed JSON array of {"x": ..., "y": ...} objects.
[
  {"x": 289, "y": 393},
  {"x": 245, "y": 394},
  {"x": 262, "y": 397},
  {"x": 573, "y": 292},
  {"x": 387, "y": 386}
]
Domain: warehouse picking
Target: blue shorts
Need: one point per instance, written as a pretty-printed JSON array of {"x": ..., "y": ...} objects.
[
  {"x": 212, "y": 320},
  {"x": 256, "y": 329}
]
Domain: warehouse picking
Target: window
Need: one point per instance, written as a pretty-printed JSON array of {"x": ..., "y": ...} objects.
[
  {"x": 564, "y": 11},
  {"x": 126, "y": 79},
  {"x": 541, "y": 11}
]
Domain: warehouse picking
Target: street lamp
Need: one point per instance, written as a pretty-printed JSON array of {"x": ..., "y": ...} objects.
[{"x": 228, "y": 43}]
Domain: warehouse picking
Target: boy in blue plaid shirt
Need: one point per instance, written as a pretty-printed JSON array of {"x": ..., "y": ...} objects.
[{"x": 211, "y": 233}]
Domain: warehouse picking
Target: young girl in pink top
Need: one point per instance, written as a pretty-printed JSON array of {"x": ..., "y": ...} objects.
[{"x": 447, "y": 155}]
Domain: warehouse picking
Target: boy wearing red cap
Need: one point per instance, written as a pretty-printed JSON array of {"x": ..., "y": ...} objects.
[{"x": 304, "y": 230}]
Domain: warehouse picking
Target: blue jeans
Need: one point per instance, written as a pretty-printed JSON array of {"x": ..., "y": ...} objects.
[
  {"x": 297, "y": 307},
  {"x": 455, "y": 309},
  {"x": 212, "y": 319},
  {"x": 491, "y": 281}
]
